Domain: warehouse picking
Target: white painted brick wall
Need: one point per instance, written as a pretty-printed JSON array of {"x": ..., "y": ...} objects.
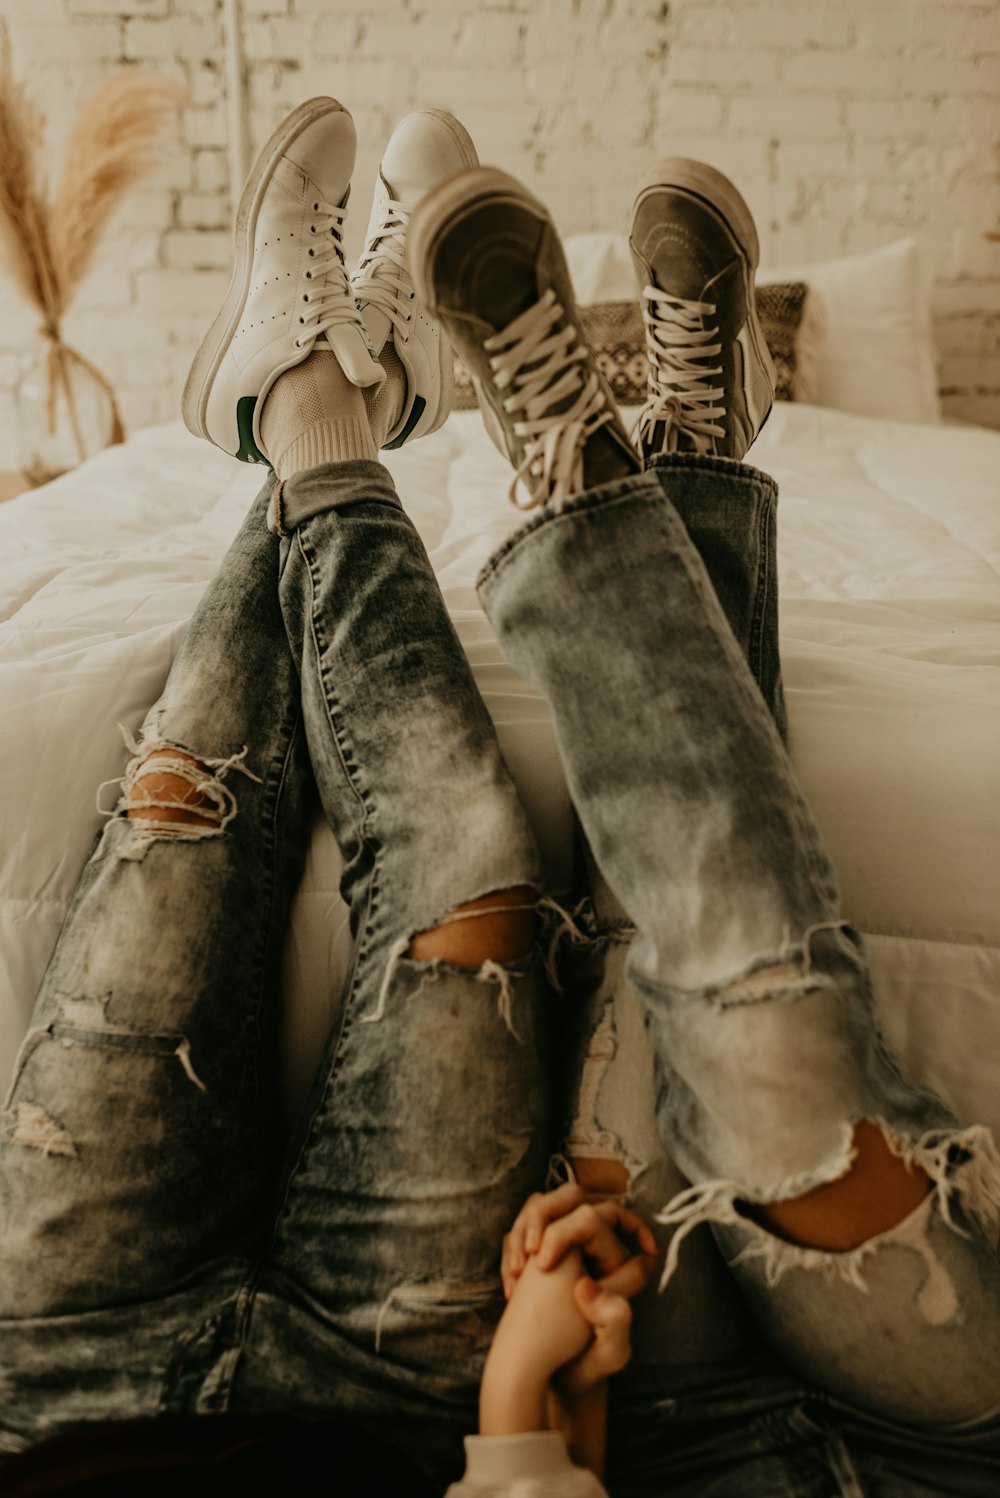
[{"x": 846, "y": 126}]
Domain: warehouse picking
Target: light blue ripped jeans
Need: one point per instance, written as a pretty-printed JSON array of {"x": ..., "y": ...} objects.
[
  {"x": 155, "y": 1254},
  {"x": 162, "y": 1247},
  {"x": 717, "y": 989}
]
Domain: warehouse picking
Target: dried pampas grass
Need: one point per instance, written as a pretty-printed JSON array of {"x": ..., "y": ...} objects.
[
  {"x": 111, "y": 148},
  {"x": 46, "y": 247},
  {"x": 24, "y": 216}
]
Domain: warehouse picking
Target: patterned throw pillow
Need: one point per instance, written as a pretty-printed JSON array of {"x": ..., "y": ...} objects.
[{"x": 615, "y": 333}]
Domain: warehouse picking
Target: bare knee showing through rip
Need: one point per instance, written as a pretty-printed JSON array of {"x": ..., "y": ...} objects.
[
  {"x": 609, "y": 1177},
  {"x": 498, "y": 927},
  {"x": 878, "y": 1190},
  {"x": 170, "y": 797}
]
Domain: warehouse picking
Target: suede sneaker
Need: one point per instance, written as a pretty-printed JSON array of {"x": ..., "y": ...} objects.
[
  {"x": 694, "y": 247},
  {"x": 486, "y": 259}
]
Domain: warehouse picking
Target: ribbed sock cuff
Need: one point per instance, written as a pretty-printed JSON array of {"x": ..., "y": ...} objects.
[{"x": 327, "y": 442}]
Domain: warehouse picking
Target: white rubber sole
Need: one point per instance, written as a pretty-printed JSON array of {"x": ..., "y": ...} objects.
[{"x": 198, "y": 387}]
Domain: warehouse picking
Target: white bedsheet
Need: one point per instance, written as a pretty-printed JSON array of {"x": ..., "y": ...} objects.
[{"x": 889, "y": 553}]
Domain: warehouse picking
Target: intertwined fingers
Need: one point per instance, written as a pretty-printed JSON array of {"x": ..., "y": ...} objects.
[{"x": 617, "y": 1245}]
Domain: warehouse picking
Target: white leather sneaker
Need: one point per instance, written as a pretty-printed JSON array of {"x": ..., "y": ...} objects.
[
  {"x": 424, "y": 149},
  {"x": 290, "y": 289}
]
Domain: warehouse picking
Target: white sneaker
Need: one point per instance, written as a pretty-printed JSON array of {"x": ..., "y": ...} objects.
[
  {"x": 290, "y": 287},
  {"x": 424, "y": 149}
]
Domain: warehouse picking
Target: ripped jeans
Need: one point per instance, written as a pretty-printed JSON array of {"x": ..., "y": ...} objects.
[
  {"x": 158, "y": 1254},
  {"x": 163, "y": 1247},
  {"x": 717, "y": 989}
]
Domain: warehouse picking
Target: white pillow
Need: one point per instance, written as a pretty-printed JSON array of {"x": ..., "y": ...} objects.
[
  {"x": 601, "y": 267},
  {"x": 875, "y": 356}
]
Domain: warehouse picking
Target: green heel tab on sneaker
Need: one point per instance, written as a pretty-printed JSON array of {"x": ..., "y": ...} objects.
[
  {"x": 248, "y": 452},
  {"x": 418, "y": 410}
]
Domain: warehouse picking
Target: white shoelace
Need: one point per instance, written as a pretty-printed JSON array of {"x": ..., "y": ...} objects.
[
  {"x": 381, "y": 277},
  {"x": 539, "y": 362},
  {"x": 681, "y": 393},
  {"x": 329, "y": 301}
]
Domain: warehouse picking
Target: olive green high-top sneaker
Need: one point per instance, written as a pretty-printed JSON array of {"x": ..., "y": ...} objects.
[
  {"x": 695, "y": 250},
  {"x": 486, "y": 259}
]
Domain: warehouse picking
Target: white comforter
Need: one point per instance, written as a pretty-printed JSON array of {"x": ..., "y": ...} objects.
[{"x": 889, "y": 552}]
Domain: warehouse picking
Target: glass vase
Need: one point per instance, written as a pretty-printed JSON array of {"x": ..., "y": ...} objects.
[{"x": 66, "y": 412}]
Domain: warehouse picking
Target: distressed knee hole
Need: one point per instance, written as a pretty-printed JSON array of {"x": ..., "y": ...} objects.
[
  {"x": 610, "y": 1177},
  {"x": 762, "y": 983},
  {"x": 498, "y": 927},
  {"x": 33, "y": 1127},
  {"x": 168, "y": 795},
  {"x": 878, "y": 1190}
]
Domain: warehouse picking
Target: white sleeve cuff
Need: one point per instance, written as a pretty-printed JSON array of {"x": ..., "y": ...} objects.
[{"x": 495, "y": 1464}]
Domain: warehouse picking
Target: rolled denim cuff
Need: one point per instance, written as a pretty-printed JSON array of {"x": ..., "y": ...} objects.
[
  {"x": 330, "y": 486},
  {"x": 642, "y": 485},
  {"x": 709, "y": 463}
]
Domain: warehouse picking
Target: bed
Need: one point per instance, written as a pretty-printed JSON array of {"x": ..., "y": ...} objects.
[{"x": 889, "y": 549}]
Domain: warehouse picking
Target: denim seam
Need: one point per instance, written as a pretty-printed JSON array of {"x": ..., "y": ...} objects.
[
  {"x": 762, "y": 590},
  {"x": 271, "y": 795},
  {"x": 328, "y": 692},
  {"x": 239, "y": 1305},
  {"x": 367, "y": 929},
  {"x": 347, "y": 1020}
]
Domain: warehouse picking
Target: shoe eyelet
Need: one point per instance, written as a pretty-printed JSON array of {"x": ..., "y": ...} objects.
[
  {"x": 309, "y": 275},
  {"x": 305, "y": 296},
  {"x": 302, "y": 319},
  {"x": 312, "y": 253},
  {"x": 315, "y": 208},
  {"x": 312, "y": 230}
]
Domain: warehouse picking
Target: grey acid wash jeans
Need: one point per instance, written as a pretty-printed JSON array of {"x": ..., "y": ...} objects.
[{"x": 162, "y": 1249}]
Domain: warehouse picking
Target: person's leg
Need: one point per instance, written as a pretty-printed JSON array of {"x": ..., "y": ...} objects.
[
  {"x": 427, "y": 1122},
  {"x": 756, "y": 991},
  {"x": 138, "y": 1136},
  {"x": 609, "y": 1070},
  {"x": 611, "y": 1143},
  {"x": 427, "y": 1125}
]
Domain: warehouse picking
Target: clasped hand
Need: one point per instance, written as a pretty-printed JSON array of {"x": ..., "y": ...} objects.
[{"x": 569, "y": 1267}]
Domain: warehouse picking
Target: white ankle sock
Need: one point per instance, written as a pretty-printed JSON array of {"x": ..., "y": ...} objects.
[
  {"x": 313, "y": 414},
  {"x": 384, "y": 402}
]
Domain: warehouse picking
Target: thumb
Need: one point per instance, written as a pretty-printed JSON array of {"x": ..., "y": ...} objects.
[{"x": 610, "y": 1317}]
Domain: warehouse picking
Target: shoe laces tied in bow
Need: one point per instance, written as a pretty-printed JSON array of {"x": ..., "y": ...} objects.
[
  {"x": 328, "y": 301},
  {"x": 679, "y": 338},
  {"x": 538, "y": 361}
]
